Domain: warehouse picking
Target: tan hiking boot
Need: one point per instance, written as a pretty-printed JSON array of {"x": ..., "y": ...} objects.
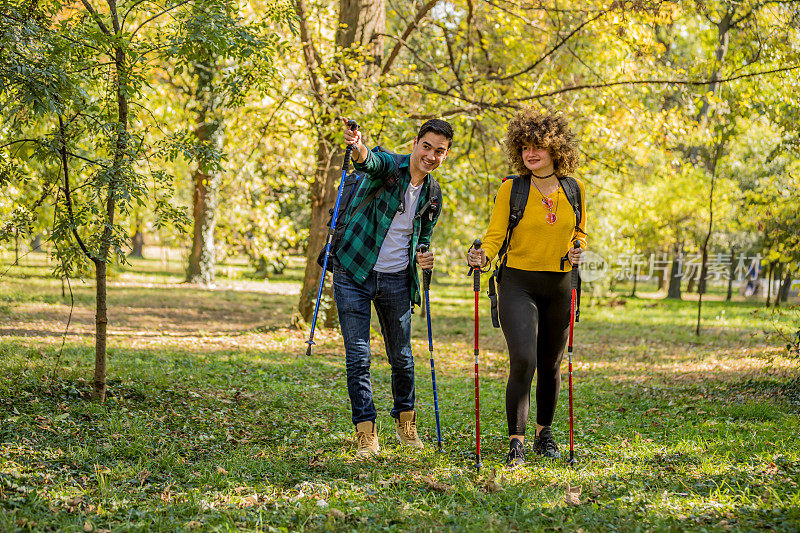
[
  {"x": 407, "y": 429},
  {"x": 367, "y": 440}
]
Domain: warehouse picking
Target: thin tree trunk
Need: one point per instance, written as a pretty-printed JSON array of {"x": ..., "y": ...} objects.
[
  {"x": 635, "y": 279},
  {"x": 785, "y": 287},
  {"x": 206, "y": 180},
  {"x": 137, "y": 242},
  {"x": 115, "y": 179},
  {"x": 674, "y": 289},
  {"x": 101, "y": 331},
  {"x": 769, "y": 283},
  {"x": 731, "y": 273},
  {"x": 704, "y": 264},
  {"x": 661, "y": 279},
  {"x": 16, "y": 246},
  {"x": 778, "y": 276}
]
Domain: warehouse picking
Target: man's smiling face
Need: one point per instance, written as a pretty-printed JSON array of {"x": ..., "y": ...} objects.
[{"x": 429, "y": 152}]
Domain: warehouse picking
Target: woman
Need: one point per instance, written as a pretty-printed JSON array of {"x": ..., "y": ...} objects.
[{"x": 535, "y": 284}]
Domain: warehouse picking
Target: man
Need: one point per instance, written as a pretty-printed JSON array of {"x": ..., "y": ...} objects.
[{"x": 375, "y": 264}]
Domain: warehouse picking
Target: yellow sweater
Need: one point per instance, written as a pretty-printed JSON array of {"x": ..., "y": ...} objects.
[{"x": 535, "y": 245}]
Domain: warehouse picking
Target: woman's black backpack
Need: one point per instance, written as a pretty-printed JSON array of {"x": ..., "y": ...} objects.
[{"x": 520, "y": 189}]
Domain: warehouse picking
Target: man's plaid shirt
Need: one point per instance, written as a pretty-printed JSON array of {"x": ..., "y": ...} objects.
[{"x": 362, "y": 240}]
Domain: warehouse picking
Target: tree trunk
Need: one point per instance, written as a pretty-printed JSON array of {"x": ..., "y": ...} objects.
[
  {"x": 323, "y": 197},
  {"x": 691, "y": 285},
  {"x": 635, "y": 279},
  {"x": 206, "y": 179},
  {"x": 769, "y": 282},
  {"x": 778, "y": 293},
  {"x": 674, "y": 289},
  {"x": 16, "y": 246},
  {"x": 115, "y": 179},
  {"x": 101, "y": 330},
  {"x": 362, "y": 24},
  {"x": 137, "y": 242},
  {"x": 785, "y": 287},
  {"x": 704, "y": 263},
  {"x": 731, "y": 273},
  {"x": 36, "y": 243},
  {"x": 661, "y": 279}
]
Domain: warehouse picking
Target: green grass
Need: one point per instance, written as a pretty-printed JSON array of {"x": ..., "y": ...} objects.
[{"x": 217, "y": 421}]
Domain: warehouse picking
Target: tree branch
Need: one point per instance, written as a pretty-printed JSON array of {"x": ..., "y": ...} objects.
[
  {"x": 96, "y": 17},
  {"x": 112, "y": 6},
  {"x": 573, "y": 88},
  {"x": 310, "y": 54},
  {"x": 131, "y": 8},
  {"x": 92, "y": 161},
  {"x": 19, "y": 141},
  {"x": 409, "y": 29},
  {"x": 163, "y": 12},
  {"x": 63, "y": 151},
  {"x": 480, "y": 105},
  {"x": 549, "y": 52}
]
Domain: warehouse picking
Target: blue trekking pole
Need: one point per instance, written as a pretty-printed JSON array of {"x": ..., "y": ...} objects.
[
  {"x": 426, "y": 284},
  {"x": 345, "y": 166}
]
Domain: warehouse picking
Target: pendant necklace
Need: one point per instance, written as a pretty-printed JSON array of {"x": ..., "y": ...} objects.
[{"x": 548, "y": 204}]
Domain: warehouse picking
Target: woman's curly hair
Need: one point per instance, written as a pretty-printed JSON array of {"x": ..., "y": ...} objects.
[{"x": 542, "y": 130}]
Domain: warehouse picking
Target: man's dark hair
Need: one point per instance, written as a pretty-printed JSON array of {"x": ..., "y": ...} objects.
[{"x": 438, "y": 126}]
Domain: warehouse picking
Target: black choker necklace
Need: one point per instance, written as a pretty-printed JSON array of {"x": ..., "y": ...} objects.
[{"x": 544, "y": 177}]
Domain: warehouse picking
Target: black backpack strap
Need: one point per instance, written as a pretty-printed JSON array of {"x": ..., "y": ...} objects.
[
  {"x": 367, "y": 199},
  {"x": 433, "y": 205},
  {"x": 392, "y": 179},
  {"x": 573, "y": 192},
  {"x": 520, "y": 187}
]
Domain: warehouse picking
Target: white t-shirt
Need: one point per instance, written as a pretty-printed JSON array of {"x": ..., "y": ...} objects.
[{"x": 393, "y": 256}]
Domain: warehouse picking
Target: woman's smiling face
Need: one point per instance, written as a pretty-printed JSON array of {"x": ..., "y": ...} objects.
[{"x": 537, "y": 160}]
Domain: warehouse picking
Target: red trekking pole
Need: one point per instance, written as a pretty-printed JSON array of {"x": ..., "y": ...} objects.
[
  {"x": 476, "y": 281},
  {"x": 573, "y": 302}
]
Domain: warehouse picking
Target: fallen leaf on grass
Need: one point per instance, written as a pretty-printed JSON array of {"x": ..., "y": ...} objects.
[
  {"x": 142, "y": 476},
  {"x": 87, "y": 526},
  {"x": 249, "y": 501},
  {"x": 493, "y": 484},
  {"x": 572, "y": 497},
  {"x": 221, "y": 470},
  {"x": 772, "y": 469},
  {"x": 436, "y": 485},
  {"x": 336, "y": 513}
]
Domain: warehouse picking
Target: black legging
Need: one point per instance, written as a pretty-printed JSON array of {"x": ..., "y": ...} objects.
[{"x": 534, "y": 315}]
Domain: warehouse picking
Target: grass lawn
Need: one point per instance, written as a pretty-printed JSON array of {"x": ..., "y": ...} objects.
[{"x": 216, "y": 420}]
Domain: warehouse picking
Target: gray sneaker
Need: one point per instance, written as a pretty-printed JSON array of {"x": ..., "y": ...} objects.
[
  {"x": 516, "y": 454},
  {"x": 545, "y": 444}
]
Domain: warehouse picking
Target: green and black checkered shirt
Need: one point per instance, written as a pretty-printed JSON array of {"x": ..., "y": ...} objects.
[{"x": 362, "y": 240}]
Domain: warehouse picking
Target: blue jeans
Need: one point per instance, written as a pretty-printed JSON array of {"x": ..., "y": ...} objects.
[{"x": 391, "y": 294}]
